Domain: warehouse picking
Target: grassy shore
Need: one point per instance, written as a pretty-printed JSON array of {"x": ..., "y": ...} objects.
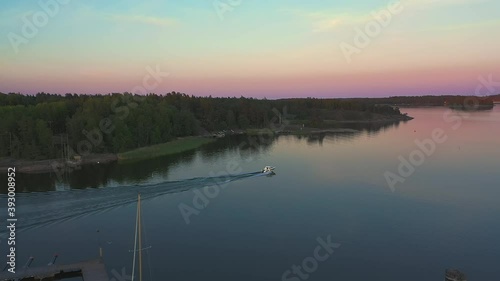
[{"x": 172, "y": 147}]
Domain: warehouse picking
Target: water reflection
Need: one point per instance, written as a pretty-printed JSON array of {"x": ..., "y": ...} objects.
[
  {"x": 116, "y": 174},
  {"x": 245, "y": 145},
  {"x": 372, "y": 129},
  {"x": 102, "y": 175},
  {"x": 445, "y": 213}
]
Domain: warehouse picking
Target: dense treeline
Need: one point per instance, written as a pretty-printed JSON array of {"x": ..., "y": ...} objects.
[
  {"x": 33, "y": 127},
  {"x": 449, "y": 100}
]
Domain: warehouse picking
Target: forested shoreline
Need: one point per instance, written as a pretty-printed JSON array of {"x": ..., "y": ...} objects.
[
  {"x": 34, "y": 127},
  {"x": 453, "y": 101}
]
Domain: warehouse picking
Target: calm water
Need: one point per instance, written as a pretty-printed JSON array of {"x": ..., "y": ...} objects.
[{"x": 445, "y": 214}]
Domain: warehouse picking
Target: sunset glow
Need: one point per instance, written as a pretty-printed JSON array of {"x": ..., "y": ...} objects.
[{"x": 269, "y": 49}]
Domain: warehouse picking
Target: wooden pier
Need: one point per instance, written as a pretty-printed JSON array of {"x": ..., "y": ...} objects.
[
  {"x": 92, "y": 270},
  {"x": 454, "y": 275}
]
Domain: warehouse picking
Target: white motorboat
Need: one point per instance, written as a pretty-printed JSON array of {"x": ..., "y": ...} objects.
[{"x": 268, "y": 169}]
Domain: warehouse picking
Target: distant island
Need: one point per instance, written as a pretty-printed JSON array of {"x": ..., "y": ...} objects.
[
  {"x": 451, "y": 101},
  {"x": 102, "y": 128}
]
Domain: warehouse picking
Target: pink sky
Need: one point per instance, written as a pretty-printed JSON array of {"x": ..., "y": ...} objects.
[{"x": 430, "y": 47}]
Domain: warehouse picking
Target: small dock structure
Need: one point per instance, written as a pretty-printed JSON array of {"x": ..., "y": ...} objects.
[
  {"x": 91, "y": 270},
  {"x": 454, "y": 275}
]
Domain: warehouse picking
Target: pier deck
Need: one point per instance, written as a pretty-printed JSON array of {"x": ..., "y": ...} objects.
[{"x": 92, "y": 270}]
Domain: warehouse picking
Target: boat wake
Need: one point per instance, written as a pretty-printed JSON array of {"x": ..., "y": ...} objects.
[{"x": 44, "y": 208}]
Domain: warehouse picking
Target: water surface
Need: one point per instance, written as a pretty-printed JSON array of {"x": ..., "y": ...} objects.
[{"x": 445, "y": 214}]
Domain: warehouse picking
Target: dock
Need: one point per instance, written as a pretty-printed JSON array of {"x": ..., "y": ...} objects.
[
  {"x": 91, "y": 270},
  {"x": 454, "y": 275}
]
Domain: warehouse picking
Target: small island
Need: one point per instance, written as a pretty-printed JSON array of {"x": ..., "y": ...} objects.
[{"x": 43, "y": 131}]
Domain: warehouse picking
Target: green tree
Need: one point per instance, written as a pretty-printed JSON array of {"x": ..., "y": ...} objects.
[
  {"x": 231, "y": 119},
  {"x": 243, "y": 122},
  {"x": 44, "y": 139}
]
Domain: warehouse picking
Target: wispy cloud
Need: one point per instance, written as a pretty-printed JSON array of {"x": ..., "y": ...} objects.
[
  {"x": 142, "y": 19},
  {"x": 325, "y": 25},
  {"x": 326, "y": 21}
]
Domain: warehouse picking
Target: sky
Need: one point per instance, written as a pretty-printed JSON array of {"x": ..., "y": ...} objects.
[{"x": 262, "y": 49}]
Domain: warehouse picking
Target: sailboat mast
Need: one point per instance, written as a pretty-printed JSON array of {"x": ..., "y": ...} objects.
[
  {"x": 135, "y": 238},
  {"x": 140, "y": 238}
]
